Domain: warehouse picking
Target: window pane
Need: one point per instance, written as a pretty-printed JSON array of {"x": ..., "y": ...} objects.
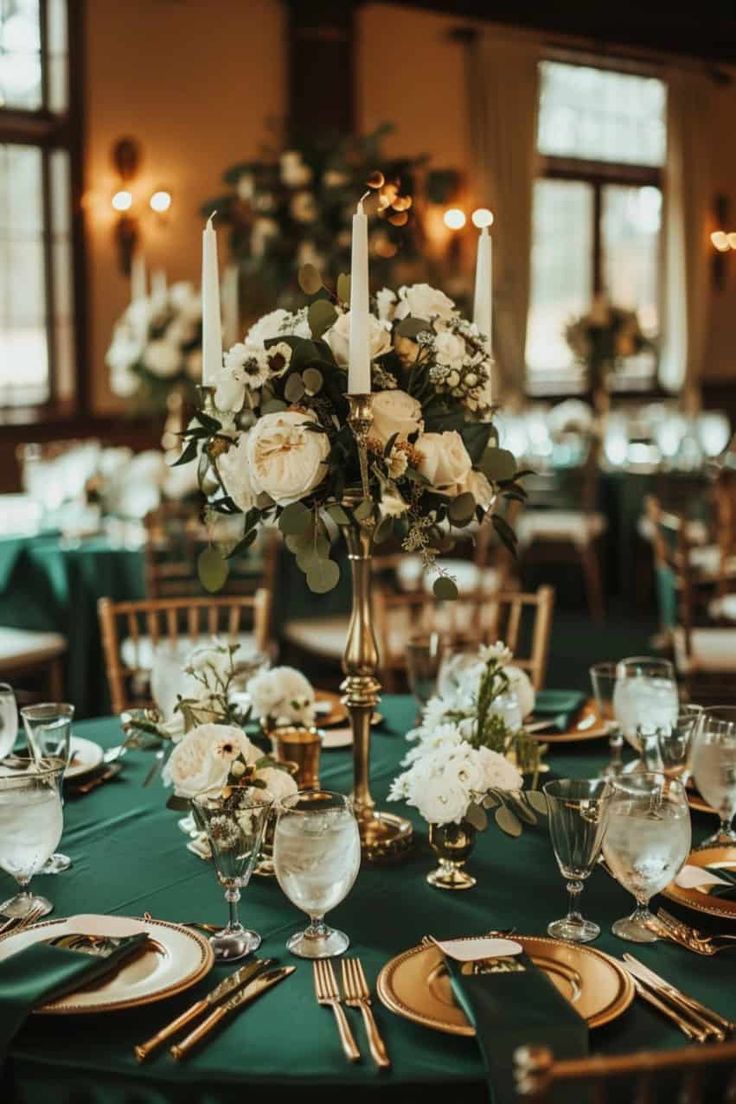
[
  {"x": 20, "y": 55},
  {"x": 62, "y": 332},
  {"x": 56, "y": 55},
  {"x": 600, "y": 115},
  {"x": 562, "y": 269},
  {"x": 24, "y": 367}
]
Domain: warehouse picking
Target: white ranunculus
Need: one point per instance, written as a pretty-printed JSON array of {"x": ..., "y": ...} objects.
[
  {"x": 449, "y": 349},
  {"x": 480, "y": 488},
  {"x": 338, "y": 338},
  {"x": 273, "y": 324},
  {"x": 162, "y": 359},
  {"x": 287, "y": 461},
  {"x": 283, "y": 694},
  {"x": 233, "y": 467},
  {"x": 520, "y": 684},
  {"x": 386, "y": 303},
  {"x": 423, "y": 301},
  {"x": 498, "y": 773},
  {"x": 445, "y": 461},
  {"x": 194, "y": 766},
  {"x": 438, "y": 802},
  {"x": 395, "y": 412},
  {"x": 279, "y": 783}
]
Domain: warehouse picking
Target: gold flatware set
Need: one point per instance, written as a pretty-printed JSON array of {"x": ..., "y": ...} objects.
[
  {"x": 696, "y": 1020},
  {"x": 357, "y": 995},
  {"x": 18, "y": 923},
  {"x": 679, "y": 932}
]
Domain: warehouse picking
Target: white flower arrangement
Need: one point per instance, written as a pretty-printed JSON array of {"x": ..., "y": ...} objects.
[
  {"x": 214, "y": 756},
  {"x": 157, "y": 345},
  {"x": 282, "y": 696}
]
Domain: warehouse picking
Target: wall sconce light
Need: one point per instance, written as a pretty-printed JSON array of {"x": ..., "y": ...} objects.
[
  {"x": 454, "y": 218},
  {"x": 723, "y": 241},
  {"x": 126, "y": 158}
]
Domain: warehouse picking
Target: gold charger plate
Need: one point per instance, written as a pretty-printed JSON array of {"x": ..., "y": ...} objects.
[
  {"x": 177, "y": 959},
  {"x": 338, "y": 714},
  {"x": 415, "y": 984},
  {"x": 588, "y": 726},
  {"x": 722, "y": 907}
]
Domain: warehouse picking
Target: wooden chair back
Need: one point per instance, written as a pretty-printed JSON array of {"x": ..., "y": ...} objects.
[
  {"x": 692, "y": 1075},
  {"x": 522, "y": 621},
  {"x": 138, "y": 627}
]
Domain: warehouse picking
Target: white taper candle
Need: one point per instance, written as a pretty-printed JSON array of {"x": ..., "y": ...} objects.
[
  {"x": 211, "y": 321},
  {"x": 359, "y": 364}
]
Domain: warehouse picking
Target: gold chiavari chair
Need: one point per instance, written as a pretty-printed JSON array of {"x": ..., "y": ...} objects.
[
  {"x": 131, "y": 632},
  {"x": 690, "y": 1075}
]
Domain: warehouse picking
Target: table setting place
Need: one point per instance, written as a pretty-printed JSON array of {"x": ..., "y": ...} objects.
[{"x": 232, "y": 776}]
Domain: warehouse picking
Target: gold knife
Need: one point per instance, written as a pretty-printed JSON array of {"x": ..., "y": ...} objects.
[
  {"x": 687, "y": 1028},
  {"x": 713, "y": 1018},
  {"x": 245, "y": 996},
  {"x": 235, "y": 981}
]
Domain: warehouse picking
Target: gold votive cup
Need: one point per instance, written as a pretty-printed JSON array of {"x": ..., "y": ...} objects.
[{"x": 301, "y": 747}]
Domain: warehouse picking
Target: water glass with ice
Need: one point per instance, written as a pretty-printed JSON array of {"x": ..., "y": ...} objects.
[
  {"x": 714, "y": 769},
  {"x": 31, "y": 821},
  {"x": 8, "y": 719},
  {"x": 644, "y": 698}
]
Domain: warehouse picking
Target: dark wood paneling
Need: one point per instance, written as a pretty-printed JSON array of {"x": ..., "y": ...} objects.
[{"x": 321, "y": 68}]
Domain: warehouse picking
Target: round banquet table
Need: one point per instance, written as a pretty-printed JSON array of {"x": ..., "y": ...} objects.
[{"x": 130, "y": 857}]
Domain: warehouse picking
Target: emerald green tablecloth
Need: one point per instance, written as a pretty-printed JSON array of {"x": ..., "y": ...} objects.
[{"x": 130, "y": 857}]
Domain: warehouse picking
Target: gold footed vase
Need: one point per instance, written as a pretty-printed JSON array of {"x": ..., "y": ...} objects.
[
  {"x": 452, "y": 844},
  {"x": 384, "y": 837}
]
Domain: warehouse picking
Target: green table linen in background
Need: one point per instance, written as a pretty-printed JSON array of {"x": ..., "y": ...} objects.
[{"x": 130, "y": 857}]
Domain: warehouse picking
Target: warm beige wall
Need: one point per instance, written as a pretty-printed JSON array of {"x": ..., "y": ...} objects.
[{"x": 195, "y": 83}]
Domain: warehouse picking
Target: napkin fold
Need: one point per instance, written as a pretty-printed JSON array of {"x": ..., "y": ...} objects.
[
  {"x": 514, "y": 1004},
  {"x": 42, "y": 972},
  {"x": 714, "y": 880},
  {"x": 561, "y": 705}
]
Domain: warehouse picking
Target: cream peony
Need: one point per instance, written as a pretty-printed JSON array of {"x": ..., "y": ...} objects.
[
  {"x": 286, "y": 460},
  {"x": 197, "y": 762},
  {"x": 338, "y": 338},
  {"x": 395, "y": 412},
  {"x": 445, "y": 461},
  {"x": 233, "y": 468},
  {"x": 423, "y": 301},
  {"x": 284, "y": 695}
]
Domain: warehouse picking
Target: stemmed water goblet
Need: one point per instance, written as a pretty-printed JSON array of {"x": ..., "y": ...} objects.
[
  {"x": 8, "y": 719},
  {"x": 577, "y": 821},
  {"x": 423, "y": 659},
  {"x": 714, "y": 769},
  {"x": 675, "y": 743},
  {"x": 234, "y": 820},
  {"x": 49, "y": 728},
  {"x": 603, "y": 681},
  {"x": 316, "y": 854},
  {"x": 644, "y": 700},
  {"x": 646, "y": 842},
  {"x": 31, "y": 821}
]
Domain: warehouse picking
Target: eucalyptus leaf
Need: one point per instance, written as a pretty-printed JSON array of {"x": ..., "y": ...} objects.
[
  {"x": 384, "y": 530},
  {"x": 412, "y": 327},
  {"x": 338, "y": 515},
  {"x": 212, "y": 569},
  {"x": 445, "y": 589},
  {"x": 363, "y": 510},
  {"x": 498, "y": 464},
  {"x": 309, "y": 279},
  {"x": 313, "y": 380},
  {"x": 462, "y": 508},
  {"x": 523, "y": 811},
  {"x": 298, "y": 542},
  {"x": 295, "y": 518},
  {"x": 321, "y": 315},
  {"x": 476, "y": 816},
  {"x": 324, "y": 576},
  {"x": 243, "y": 545},
  {"x": 294, "y": 388},
  {"x": 490, "y": 801},
  {"x": 505, "y": 532},
  {"x": 507, "y": 821},
  {"x": 537, "y": 800},
  {"x": 273, "y": 406},
  {"x": 343, "y": 287}
]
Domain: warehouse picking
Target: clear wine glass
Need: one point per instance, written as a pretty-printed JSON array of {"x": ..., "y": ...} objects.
[
  {"x": 714, "y": 769},
  {"x": 49, "y": 729},
  {"x": 646, "y": 842},
  {"x": 676, "y": 742},
  {"x": 577, "y": 809},
  {"x": 603, "y": 681},
  {"x": 234, "y": 820},
  {"x": 644, "y": 699},
  {"x": 316, "y": 854},
  {"x": 8, "y": 719},
  {"x": 423, "y": 658},
  {"x": 31, "y": 821}
]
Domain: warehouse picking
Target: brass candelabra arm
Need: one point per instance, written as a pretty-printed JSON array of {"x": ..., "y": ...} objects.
[{"x": 360, "y": 420}]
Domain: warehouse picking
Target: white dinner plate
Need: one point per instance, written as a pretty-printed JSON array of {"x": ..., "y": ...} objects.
[
  {"x": 85, "y": 756},
  {"x": 177, "y": 959},
  {"x": 337, "y": 737}
]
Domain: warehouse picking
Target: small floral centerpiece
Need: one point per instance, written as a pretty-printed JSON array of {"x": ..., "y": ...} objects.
[
  {"x": 281, "y": 448},
  {"x": 282, "y": 696},
  {"x": 156, "y": 346},
  {"x": 604, "y": 336}
]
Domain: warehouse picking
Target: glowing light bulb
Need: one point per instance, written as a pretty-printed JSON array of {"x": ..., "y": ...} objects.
[
  {"x": 732, "y": 239},
  {"x": 454, "y": 218},
  {"x": 122, "y": 200},
  {"x": 160, "y": 201},
  {"x": 719, "y": 238},
  {"x": 482, "y": 217}
]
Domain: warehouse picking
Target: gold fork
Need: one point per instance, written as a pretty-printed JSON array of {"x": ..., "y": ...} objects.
[
  {"x": 10, "y": 927},
  {"x": 325, "y": 987},
  {"x": 358, "y": 995},
  {"x": 701, "y": 944}
]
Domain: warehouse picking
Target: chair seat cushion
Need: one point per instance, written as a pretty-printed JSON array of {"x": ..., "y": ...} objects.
[
  {"x": 571, "y": 526},
  {"x": 710, "y": 649},
  {"x": 138, "y": 654},
  {"x": 23, "y": 646},
  {"x": 323, "y": 636}
]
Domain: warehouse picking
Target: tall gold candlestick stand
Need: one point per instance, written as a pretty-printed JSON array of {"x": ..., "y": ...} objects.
[{"x": 384, "y": 836}]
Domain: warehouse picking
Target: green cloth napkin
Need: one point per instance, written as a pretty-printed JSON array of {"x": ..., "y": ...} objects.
[
  {"x": 561, "y": 705},
  {"x": 42, "y": 972},
  {"x": 510, "y": 1010}
]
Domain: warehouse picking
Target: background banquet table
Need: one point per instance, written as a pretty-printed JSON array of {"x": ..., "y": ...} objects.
[{"x": 130, "y": 857}]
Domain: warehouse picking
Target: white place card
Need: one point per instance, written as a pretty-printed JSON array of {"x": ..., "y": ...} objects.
[
  {"x": 471, "y": 950},
  {"x": 693, "y": 877}
]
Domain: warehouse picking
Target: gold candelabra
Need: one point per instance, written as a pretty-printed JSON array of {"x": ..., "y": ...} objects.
[{"x": 384, "y": 836}]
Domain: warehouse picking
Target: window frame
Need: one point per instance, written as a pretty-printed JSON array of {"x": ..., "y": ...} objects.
[
  {"x": 597, "y": 174},
  {"x": 48, "y": 131}
]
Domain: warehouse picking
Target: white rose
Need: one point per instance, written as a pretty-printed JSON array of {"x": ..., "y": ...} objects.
[
  {"x": 440, "y": 803},
  {"x": 395, "y": 412},
  {"x": 386, "y": 304},
  {"x": 423, "y": 301},
  {"x": 162, "y": 359},
  {"x": 520, "y": 684},
  {"x": 499, "y": 774},
  {"x": 284, "y": 694},
  {"x": 338, "y": 338},
  {"x": 286, "y": 460},
  {"x": 449, "y": 349},
  {"x": 194, "y": 766},
  {"x": 233, "y": 468},
  {"x": 480, "y": 488},
  {"x": 279, "y": 783},
  {"x": 445, "y": 461}
]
